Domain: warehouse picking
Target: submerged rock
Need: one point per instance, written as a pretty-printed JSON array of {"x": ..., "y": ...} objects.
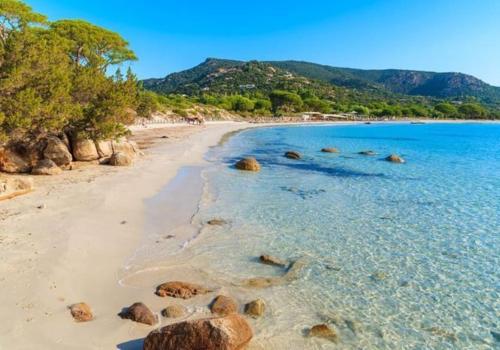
[
  {"x": 217, "y": 222},
  {"x": 329, "y": 150},
  {"x": 394, "y": 158},
  {"x": 255, "y": 308},
  {"x": 324, "y": 331},
  {"x": 138, "y": 312},
  {"x": 184, "y": 290},
  {"x": 81, "y": 312},
  {"x": 367, "y": 153},
  {"x": 292, "y": 155},
  {"x": 46, "y": 167},
  {"x": 271, "y": 260},
  {"x": 231, "y": 332},
  {"x": 223, "y": 305},
  {"x": 173, "y": 311},
  {"x": 248, "y": 164},
  {"x": 378, "y": 276},
  {"x": 290, "y": 275}
]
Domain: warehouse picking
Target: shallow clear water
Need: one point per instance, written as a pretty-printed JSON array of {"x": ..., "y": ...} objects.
[{"x": 400, "y": 256}]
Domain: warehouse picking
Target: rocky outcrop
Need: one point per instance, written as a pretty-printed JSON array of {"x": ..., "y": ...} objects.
[
  {"x": 394, "y": 158},
  {"x": 138, "y": 312},
  {"x": 329, "y": 150},
  {"x": 248, "y": 164},
  {"x": 183, "y": 290},
  {"x": 81, "y": 312},
  {"x": 13, "y": 161},
  {"x": 120, "y": 159},
  {"x": 13, "y": 187},
  {"x": 223, "y": 305},
  {"x": 292, "y": 155},
  {"x": 231, "y": 332},
  {"x": 255, "y": 308},
  {"x": 272, "y": 260},
  {"x": 57, "y": 151},
  {"x": 174, "y": 311},
  {"x": 46, "y": 167},
  {"x": 324, "y": 331},
  {"x": 84, "y": 150}
]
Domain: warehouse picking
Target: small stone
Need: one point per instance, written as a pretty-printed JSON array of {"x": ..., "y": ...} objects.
[
  {"x": 123, "y": 222},
  {"x": 329, "y": 150},
  {"x": 81, "y": 312},
  {"x": 248, "y": 164},
  {"x": 164, "y": 137},
  {"x": 255, "y": 308},
  {"x": 271, "y": 260},
  {"x": 216, "y": 222},
  {"x": 323, "y": 331},
  {"x": 184, "y": 290},
  {"x": 223, "y": 305},
  {"x": 41, "y": 206},
  {"x": 173, "y": 311},
  {"x": 292, "y": 155},
  {"x": 138, "y": 312},
  {"x": 496, "y": 336},
  {"x": 367, "y": 153},
  {"x": 394, "y": 158}
]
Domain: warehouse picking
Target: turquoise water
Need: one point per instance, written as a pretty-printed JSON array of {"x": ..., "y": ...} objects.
[{"x": 399, "y": 256}]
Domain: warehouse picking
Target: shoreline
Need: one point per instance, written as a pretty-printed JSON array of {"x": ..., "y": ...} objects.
[{"x": 46, "y": 253}]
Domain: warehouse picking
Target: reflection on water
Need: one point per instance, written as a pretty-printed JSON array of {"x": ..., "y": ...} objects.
[{"x": 400, "y": 256}]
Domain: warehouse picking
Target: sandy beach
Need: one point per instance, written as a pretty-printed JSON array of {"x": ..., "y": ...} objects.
[{"x": 69, "y": 240}]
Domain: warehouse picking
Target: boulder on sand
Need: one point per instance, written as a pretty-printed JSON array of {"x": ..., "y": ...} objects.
[
  {"x": 271, "y": 260},
  {"x": 120, "y": 159},
  {"x": 248, "y": 164},
  {"x": 230, "y": 332},
  {"x": 81, "y": 312},
  {"x": 329, "y": 150},
  {"x": 292, "y": 155},
  {"x": 394, "y": 158},
  {"x": 46, "y": 167},
  {"x": 255, "y": 308},
  {"x": 84, "y": 150},
  {"x": 173, "y": 311},
  {"x": 183, "y": 290},
  {"x": 57, "y": 151},
  {"x": 223, "y": 305},
  {"x": 13, "y": 187},
  {"x": 139, "y": 312},
  {"x": 12, "y": 161}
]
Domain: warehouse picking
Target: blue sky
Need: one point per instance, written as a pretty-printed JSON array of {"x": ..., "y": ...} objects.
[{"x": 168, "y": 36}]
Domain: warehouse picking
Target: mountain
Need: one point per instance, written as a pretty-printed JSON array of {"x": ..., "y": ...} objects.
[{"x": 229, "y": 76}]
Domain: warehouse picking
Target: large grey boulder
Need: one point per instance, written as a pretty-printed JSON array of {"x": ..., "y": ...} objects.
[{"x": 84, "y": 150}]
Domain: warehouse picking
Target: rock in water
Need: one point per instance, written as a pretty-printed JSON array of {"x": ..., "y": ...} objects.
[
  {"x": 231, "y": 332},
  {"x": 81, "y": 312},
  {"x": 255, "y": 308},
  {"x": 367, "y": 153},
  {"x": 84, "y": 150},
  {"x": 120, "y": 159},
  {"x": 223, "y": 305},
  {"x": 323, "y": 331},
  {"x": 139, "y": 312},
  {"x": 394, "y": 158},
  {"x": 217, "y": 222},
  {"x": 46, "y": 167},
  {"x": 173, "y": 311},
  {"x": 57, "y": 151},
  {"x": 292, "y": 155},
  {"x": 329, "y": 150},
  {"x": 271, "y": 260},
  {"x": 248, "y": 164},
  {"x": 178, "y": 289},
  {"x": 13, "y": 187}
]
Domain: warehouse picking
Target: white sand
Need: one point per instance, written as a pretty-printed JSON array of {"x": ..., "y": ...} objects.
[{"x": 74, "y": 249}]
